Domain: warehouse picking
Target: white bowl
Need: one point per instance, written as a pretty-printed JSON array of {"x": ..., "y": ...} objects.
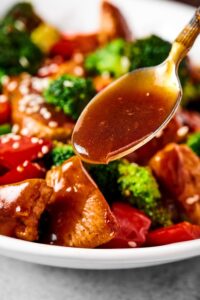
[{"x": 145, "y": 17}]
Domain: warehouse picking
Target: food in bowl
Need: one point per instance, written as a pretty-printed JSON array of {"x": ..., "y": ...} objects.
[{"x": 47, "y": 195}]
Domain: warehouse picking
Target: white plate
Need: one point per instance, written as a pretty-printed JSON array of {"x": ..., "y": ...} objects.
[{"x": 165, "y": 19}]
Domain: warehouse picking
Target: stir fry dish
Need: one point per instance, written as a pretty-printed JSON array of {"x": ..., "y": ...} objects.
[{"x": 47, "y": 194}]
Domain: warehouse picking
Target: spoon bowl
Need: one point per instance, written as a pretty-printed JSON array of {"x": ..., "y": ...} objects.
[{"x": 127, "y": 114}]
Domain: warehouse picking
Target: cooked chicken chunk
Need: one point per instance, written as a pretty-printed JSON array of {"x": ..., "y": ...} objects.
[
  {"x": 112, "y": 24},
  {"x": 176, "y": 131},
  {"x": 178, "y": 170},
  {"x": 78, "y": 216},
  {"x": 32, "y": 116},
  {"x": 21, "y": 205}
]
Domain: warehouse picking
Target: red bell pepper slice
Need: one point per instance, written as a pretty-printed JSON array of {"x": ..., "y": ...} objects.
[
  {"x": 15, "y": 149},
  {"x": 133, "y": 227},
  {"x": 5, "y": 110},
  {"x": 25, "y": 171},
  {"x": 63, "y": 47},
  {"x": 181, "y": 232}
]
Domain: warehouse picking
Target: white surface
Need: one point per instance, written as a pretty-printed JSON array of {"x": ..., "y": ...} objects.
[{"x": 144, "y": 16}]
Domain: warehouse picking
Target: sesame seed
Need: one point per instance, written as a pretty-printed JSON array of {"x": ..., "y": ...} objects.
[
  {"x": 23, "y": 61},
  {"x": 34, "y": 140},
  {"x": 12, "y": 86},
  {"x": 132, "y": 244},
  {"x": 20, "y": 169},
  {"x": 39, "y": 84},
  {"x": 24, "y": 131},
  {"x": 53, "y": 124},
  {"x": 18, "y": 209},
  {"x": 24, "y": 90},
  {"x": 16, "y": 137},
  {"x": 45, "y": 149},
  {"x": 25, "y": 163},
  {"x": 193, "y": 199},
  {"x": 78, "y": 71},
  {"x": 19, "y": 25},
  {"x": 68, "y": 83},
  {"x": 47, "y": 115},
  {"x": 3, "y": 99},
  {"x": 15, "y": 145},
  {"x": 54, "y": 237},
  {"x": 182, "y": 131},
  {"x": 15, "y": 128}
]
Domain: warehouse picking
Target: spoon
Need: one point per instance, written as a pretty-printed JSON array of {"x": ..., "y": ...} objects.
[{"x": 132, "y": 110}]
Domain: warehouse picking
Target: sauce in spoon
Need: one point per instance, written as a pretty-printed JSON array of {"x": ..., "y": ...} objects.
[{"x": 131, "y": 111}]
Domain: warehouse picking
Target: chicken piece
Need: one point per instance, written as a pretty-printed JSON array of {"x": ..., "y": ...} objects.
[
  {"x": 112, "y": 24},
  {"x": 31, "y": 115},
  {"x": 21, "y": 205},
  {"x": 175, "y": 131},
  {"x": 191, "y": 119},
  {"x": 178, "y": 170},
  {"x": 78, "y": 216}
]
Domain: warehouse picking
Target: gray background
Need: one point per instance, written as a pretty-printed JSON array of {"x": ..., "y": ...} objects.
[{"x": 24, "y": 281}]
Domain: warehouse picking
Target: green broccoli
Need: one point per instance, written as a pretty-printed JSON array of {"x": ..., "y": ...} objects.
[
  {"x": 148, "y": 52},
  {"x": 70, "y": 93},
  {"x": 138, "y": 186},
  {"x": 17, "y": 52},
  {"x": 5, "y": 128},
  {"x": 194, "y": 142},
  {"x": 191, "y": 95},
  {"x": 2, "y": 74},
  {"x": 119, "y": 57},
  {"x": 22, "y": 16},
  {"x": 106, "y": 177},
  {"x": 60, "y": 153},
  {"x": 135, "y": 184},
  {"x": 113, "y": 59}
]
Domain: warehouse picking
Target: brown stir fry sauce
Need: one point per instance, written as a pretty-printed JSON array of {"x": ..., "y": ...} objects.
[{"x": 120, "y": 118}]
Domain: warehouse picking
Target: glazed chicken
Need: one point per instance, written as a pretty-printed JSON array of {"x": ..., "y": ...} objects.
[
  {"x": 177, "y": 168},
  {"x": 21, "y": 206},
  {"x": 31, "y": 115},
  {"x": 78, "y": 215}
]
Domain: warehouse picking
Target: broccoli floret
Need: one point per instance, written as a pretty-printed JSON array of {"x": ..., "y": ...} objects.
[
  {"x": 22, "y": 16},
  {"x": 5, "y": 128},
  {"x": 106, "y": 177},
  {"x": 135, "y": 184},
  {"x": 140, "y": 188},
  {"x": 194, "y": 142},
  {"x": 148, "y": 52},
  {"x": 17, "y": 52},
  {"x": 191, "y": 95},
  {"x": 119, "y": 57},
  {"x": 113, "y": 59},
  {"x": 70, "y": 93},
  {"x": 60, "y": 153}
]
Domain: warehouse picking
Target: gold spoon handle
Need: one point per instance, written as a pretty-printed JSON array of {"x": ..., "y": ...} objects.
[{"x": 185, "y": 39}]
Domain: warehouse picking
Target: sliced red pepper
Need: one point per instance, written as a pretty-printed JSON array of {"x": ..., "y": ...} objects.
[
  {"x": 133, "y": 227},
  {"x": 5, "y": 110},
  {"x": 25, "y": 171},
  {"x": 68, "y": 45},
  {"x": 15, "y": 149},
  {"x": 63, "y": 47},
  {"x": 181, "y": 232}
]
